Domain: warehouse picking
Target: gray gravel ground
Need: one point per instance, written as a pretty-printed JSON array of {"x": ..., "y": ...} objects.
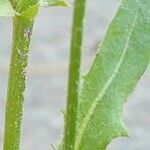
[{"x": 47, "y": 76}]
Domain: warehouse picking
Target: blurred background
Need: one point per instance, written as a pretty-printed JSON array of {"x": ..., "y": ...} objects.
[{"x": 45, "y": 95}]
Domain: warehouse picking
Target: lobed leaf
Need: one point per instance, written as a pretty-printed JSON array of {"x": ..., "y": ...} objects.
[
  {"x": 6, "y": 8},
  {"x": 121, "y": 60}
]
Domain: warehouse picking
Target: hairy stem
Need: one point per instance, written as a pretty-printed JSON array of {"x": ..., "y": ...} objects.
[
  {"x": 22, "y": 29},
  {"x": 74, "y": 75}
]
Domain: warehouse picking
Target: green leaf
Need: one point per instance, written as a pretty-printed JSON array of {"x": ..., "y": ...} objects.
[
  {"x": 6, "y": 8},
  {"x": 48, "y": 3},
  {"x": 31, "y": 12},
  {"x": 28, "y": 8},
  {"x": 23, "y": 5},
  {"x": 121, "y": 60}
]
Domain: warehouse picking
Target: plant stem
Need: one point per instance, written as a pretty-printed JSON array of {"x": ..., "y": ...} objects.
[
  {"x": 74, "y": 75},
  {"x": 22, "y": 29}
]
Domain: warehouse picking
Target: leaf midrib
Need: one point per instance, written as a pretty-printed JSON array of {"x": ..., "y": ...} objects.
[{"x": 106, "y": 86}]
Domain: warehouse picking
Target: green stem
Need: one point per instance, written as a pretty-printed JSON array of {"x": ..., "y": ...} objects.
[
  {"x": 22, "y": 29},
  {"x": 74, "y": 75}
]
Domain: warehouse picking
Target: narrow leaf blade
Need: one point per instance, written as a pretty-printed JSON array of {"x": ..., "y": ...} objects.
[
  {"x": 121, "y": 60},
  {"x": 49, "y": 3}
]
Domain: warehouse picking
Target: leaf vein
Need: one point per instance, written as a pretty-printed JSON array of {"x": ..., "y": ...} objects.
[{"x": 105, "y": 88}]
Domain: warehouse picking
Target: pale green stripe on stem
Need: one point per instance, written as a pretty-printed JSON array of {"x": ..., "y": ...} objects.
[{"x": 74, "y": 75}]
